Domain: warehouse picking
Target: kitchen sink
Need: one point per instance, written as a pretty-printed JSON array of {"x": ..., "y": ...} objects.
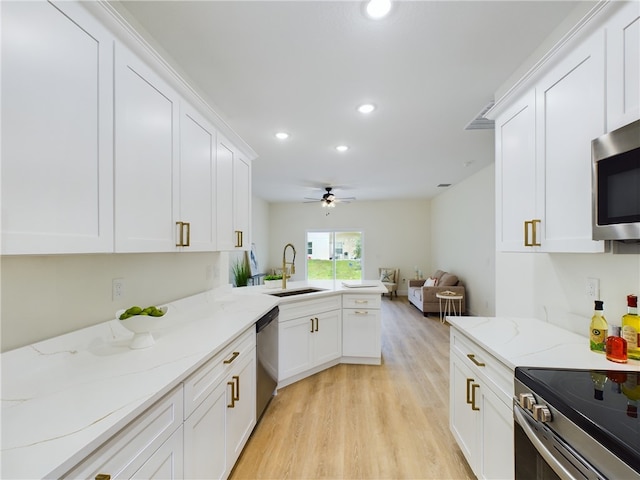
[{"x": 302, "y": 291}]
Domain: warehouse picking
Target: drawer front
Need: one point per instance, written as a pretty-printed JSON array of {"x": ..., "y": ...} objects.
[
  {"x": 361, "y": 301},
  {"x": 309, "y": 307},
  {"x": 134, "y": 445},
  {"x": 496, "y": 375},
  {"x": 205, "y": 380}
]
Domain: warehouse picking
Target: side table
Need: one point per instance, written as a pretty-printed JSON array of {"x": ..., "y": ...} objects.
[{"x": 449, "y": 298}]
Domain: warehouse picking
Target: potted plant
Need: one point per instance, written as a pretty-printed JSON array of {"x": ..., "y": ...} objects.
[
  {"x": 241, "y": 273},
  {"x": 273, "y": 281}
]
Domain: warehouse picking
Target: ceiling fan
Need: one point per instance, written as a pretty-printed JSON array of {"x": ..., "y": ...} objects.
[{"x": 329, "y": 199}]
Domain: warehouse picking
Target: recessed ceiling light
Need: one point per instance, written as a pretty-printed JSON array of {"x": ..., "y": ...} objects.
[
  {"x": 342, "y": 148},
  {"x": 366, "y": 108},
  {"x": 282, "y": 135},
  {"x": 378, "y": 8}
]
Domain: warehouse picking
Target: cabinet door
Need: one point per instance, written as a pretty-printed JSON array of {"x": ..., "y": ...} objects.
[
  {"x": 57, "y": 130},
  {"x": 496, "y": 436},
  {"x": 241, "y": 203},
  {"x": 623, "y": 66},
  {"x": 241, "y": 411},
  {"x": 146, "y": 144},
  {"x": 327, "y": 337},
  {"x": 205, "y": 437},
  {"x": 196, "y": 187},
  {"x": 294, "y": 349},
  {"x": 463, "y": 420},
  {"x": 224, "y": 196},
  {"x": 166, "y": 463},
  {"x": 516, "y": 175},
  {"x": 570, "y": 104},
  {"x": 361, "y": 333}
]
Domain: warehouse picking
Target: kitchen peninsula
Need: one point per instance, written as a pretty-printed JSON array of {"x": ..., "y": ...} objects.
[{"x": 65, "y": 398}]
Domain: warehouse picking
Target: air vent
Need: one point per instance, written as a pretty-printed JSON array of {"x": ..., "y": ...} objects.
[
  {"x": 480, "y": 122},
  {"x": 444, "y": 185}
]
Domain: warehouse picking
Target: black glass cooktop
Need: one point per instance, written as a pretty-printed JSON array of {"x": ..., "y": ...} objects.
[{"x": 603, "y": 403}]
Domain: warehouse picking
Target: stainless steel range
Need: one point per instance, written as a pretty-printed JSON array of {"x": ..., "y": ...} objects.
[{"x": 576, "y": 424}]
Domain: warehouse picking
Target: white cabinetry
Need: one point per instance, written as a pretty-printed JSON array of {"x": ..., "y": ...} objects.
[
  {"x": 309, "y": 337},
  {"x": 623, "y": 66},
  {"x": 480, "y": 408},
  {"x": 195, "y": 221},
  {"x": 233, "y": 191},
  {"x": 57, "y": 130},
  {"x": 150, "y": 447},
  {"x": 146, "y": 151},
  {"x": 361, "y": 328},
  {"x": 220, "y": 410},
  {"x": 543, "y": 156}
]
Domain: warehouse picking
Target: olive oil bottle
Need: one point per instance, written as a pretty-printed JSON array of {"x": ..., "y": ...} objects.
[
  {"x": 631, "y": 328},
  {"x": 598, "y": 329}
]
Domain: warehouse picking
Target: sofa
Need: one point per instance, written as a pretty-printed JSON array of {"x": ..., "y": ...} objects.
[{"x": 424, "y": 297}]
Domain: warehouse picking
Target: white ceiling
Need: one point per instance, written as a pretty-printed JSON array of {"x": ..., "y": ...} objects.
[{"x": 304, "y": 67}]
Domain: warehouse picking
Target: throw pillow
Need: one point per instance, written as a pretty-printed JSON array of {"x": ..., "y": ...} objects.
[
  {"x": 386, "y": 276},
  {"x": 430, "y": 282}
]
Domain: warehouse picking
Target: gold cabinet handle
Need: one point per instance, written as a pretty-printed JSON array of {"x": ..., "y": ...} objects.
[
  {"x": 316, "y": 324},
  {"x": 311, "y": 324},
  {"x": 233, "y": 394},
  {"x": 362, "y": 301},
  {"x": 239, "y": 238},
  {"x": 188, "y": 225},
  {"x": 234, "y": 355},
  {"x": 468, "y": 395},
  {"x": 534, "y": 232},
  {"x": 237, "y": 379},
  {"x": 103, "y": 476},
  {"x": 472, "y": 357},
  {"x": 180, "y": 233},
  {"x": 527, "y": 243},
  {"x": 473, "y": 396},
  {"x": 361, "y": 312}
]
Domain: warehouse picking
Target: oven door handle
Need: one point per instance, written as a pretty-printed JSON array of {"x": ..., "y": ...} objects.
[{"x": 553, "y": 462}]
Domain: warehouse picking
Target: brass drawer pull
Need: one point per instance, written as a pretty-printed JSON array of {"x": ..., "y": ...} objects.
[
  {"x": 237, "y": 394},
  {"x": 361, "y": 312},
  {"x": 311, "y": 324},
  {"x": 534, "y": 233},
  {"x": 103, "y": 476},
  {"x": 362, "y": 301},
  {"x": 316, "y": 324},
  {"x": 473, "y": 396},
  {"x": 233, "y": 395},
  {"x": 472, "y": 357},
  {"x": 469, "y": 382},
  {"x": 188, "y": 243},
  {"x": 233, "y": 357}
]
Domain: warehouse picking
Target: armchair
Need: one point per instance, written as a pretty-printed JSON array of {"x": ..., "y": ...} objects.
[{"x": 389, "y": 277}]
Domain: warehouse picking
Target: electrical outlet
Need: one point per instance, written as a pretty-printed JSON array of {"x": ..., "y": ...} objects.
[
  {"x": 593, "y": 288},
  {"x": 117, "y": 288}
]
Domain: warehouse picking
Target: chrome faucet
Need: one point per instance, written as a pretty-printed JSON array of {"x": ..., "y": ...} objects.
[{"x": 285, "y": 263}]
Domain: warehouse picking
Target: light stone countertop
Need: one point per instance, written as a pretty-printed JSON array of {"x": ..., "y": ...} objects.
[
  {"x": 63, "y": 397},
  {"x": 520, "y": 342}
]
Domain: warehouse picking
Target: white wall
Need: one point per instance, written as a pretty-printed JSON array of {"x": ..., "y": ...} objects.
[
  {"x": 46, "y": 296},
  {"x": 463, "y": 238},
  {"x": 395, "y": 233}
]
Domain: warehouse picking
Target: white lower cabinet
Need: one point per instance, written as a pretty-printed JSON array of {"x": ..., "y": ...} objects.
[
  {"x": 481, "y": 418},
  {"x": 220, "y": 410},
  {"x": 309, "y": 337},
  {"x": 361, "y": 328},
  {"x": 149, "y": 447}
]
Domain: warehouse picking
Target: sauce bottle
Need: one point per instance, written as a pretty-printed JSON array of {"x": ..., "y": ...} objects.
[{"x": 616, "y": 346}]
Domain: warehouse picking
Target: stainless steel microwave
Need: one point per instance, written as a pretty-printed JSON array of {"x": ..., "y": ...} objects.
[{"x": 615, "y": 203}]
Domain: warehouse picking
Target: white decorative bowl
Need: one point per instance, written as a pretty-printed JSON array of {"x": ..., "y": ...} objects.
[{"x": 142, "y": 327}]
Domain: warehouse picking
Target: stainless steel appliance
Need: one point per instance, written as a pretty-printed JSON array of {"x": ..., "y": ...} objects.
[
  {"x": 576, "y": 424},
  {"x": 267, "y": 359},
  {"x": 615, "y": 202}
]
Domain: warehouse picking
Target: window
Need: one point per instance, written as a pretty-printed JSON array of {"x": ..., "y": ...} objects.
[{"x": 334, "y": 255}]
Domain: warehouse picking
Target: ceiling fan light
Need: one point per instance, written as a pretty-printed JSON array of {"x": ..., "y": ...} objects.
[
  {"x": 366, "y": 108},
  {"x": 377, "y": 9}
]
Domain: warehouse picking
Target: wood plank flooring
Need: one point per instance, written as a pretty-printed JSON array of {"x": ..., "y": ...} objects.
[{"x": 366, "y": 422}]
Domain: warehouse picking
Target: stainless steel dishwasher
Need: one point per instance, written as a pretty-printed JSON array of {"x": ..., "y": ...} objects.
[{"x": 267, "y": 356}]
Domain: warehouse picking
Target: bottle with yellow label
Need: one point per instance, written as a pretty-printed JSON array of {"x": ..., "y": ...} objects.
[
  {"x": 598, "y": 329},
  {"x": 631, "y": 328}
]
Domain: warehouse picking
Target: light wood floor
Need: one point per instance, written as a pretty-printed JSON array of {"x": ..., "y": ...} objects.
[{"x": 366, "y": 422}]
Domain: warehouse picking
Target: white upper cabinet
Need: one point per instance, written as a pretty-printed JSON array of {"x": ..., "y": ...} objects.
[
  {"x": 146, "y": 152},
  {"x": 570, "y": 113},
  {"x": 57, "y": 128},
  {"x": 623, "y": 66},
  {"x": 195, "y": 222}
]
